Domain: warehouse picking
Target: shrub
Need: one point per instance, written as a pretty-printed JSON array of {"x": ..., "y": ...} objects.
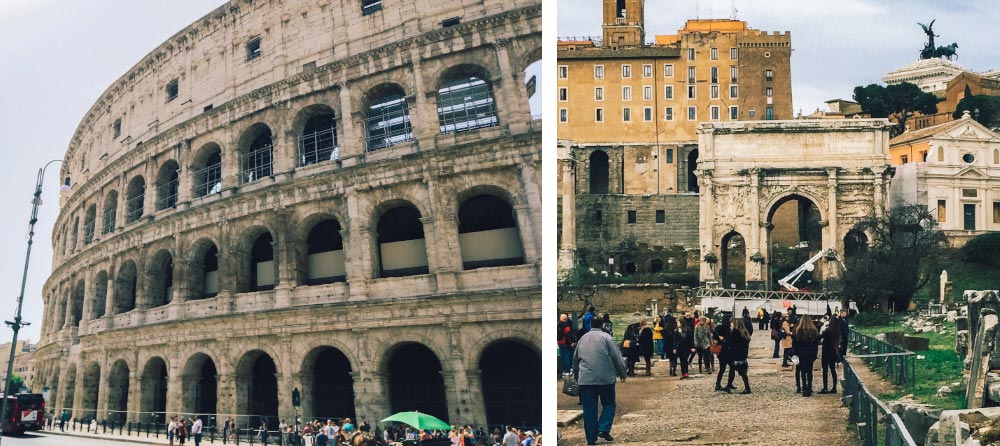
[{"x": 982, "y": 249}]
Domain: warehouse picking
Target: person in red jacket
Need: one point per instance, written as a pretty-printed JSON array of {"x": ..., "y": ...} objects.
[{"x": 566, "y": 342}]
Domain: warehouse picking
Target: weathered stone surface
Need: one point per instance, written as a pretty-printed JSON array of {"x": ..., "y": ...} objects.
[
  {"x": 917, "y": 418},
  {"x": 915, "y": 343},
  {"x": 980, "y": 360},
  {"x": 962, "y": 343},
  {"x": 951, "y": 429},
  {"x": 962, "y": 323}
]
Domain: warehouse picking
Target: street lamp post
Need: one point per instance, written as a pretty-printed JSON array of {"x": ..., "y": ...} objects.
[{"x": 16, "y": 324}]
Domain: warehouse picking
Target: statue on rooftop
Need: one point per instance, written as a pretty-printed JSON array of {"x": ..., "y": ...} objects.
[{"x": 931, "y": 51}]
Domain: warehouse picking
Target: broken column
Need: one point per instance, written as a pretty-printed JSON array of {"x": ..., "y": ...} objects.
[{"x": 981, "y": 353}]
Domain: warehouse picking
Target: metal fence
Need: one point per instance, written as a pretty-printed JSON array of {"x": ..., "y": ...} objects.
[
  {"x": 895, "y": 363},
  {"x": 876, "y": 424}
]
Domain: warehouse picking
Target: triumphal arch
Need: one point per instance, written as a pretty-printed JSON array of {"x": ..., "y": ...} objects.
[{"x": 747, "y": 170}]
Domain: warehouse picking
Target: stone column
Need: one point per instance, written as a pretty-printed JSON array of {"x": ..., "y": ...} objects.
[
  {"x": 476, "y": 405},
  {"x": 529, "y": 222},
  {"x": 185, "y": 182},
  {"x": 423, "y": 114},
  {"x": 754, "y": 270},
  {"x": 371, "y": 393},
  {"x": 358, "y": 244},
  {"x": 81, "y": 373},
  {"x": 286, "y": 382},
  {"x": 834, "y": 242},
  {"x": 706, "y": 226},
  {"x": 567, "y": 249},
  {"x": 175, "y": 388},
  {"x": 510, "y": 94},
  {"x": 352, "y": 139},
  {"x": 226, "y": 393},
  {"x": 149, "y": 193},
  {"x": 103, "y": 390},
  {"x": 134, "y": 395},
  {"x": 282, "y": 151},
  {"x": 109, "y": 298},
  {"x": 447, "y": 248}
]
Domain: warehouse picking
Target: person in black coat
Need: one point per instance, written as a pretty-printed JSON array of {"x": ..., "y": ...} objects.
[
  {"x": 631, "y": 337},
  {"x": 689, "y": 322},
  {"x": 776, "y": 333},
  {"x": 720, "y": 336},
  {"x": 683, "y": 346},
  {"x": 669, "y": 322},
  {"x": 830, "y": 341},
  {"x": 739, "y": 351},
  {"x": 805, "y": 342},
  {"x": 845, "y": 329},
  {"x": 646, "y": 345}
]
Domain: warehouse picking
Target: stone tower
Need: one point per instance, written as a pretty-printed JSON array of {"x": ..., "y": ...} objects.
[{"x": 623, "y": 23}]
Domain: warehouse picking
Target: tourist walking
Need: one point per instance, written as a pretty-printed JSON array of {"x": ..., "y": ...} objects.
[
  {"x": 845, "y": 329},
  {"x": 831, "y": 354},
  {"x": 596, "y": 362},
  {"x": 786, "y": 341},
  {"x": 721, "y": 336},
  {"x": 658, "y": 337},
  {"x": 196, "y": 430},
  {"x": 646, "y": 345},
  {"x": 776, "y": 333},
  {"x": 566, "y": 342},
  {"x": 739, "y": 351},
  {"x": 805, "y": 342},
  {"x": 762, "y": 319},
  {"x": 702, "y": 341},
  {"x": 262, "y": 433},
  {"x": 630, "y": 345},
  {"x": 182, "y": 431},
  {"x": 669, "y": 324},
  {"x": 683, "y": 347},
  {"x": 226, "y": 427},
  {"x": 172, "y": 430},
  {"x": 588, "y": 319}
]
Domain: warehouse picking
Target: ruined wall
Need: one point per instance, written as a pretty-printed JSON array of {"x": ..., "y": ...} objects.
[{"x": 626, "y": 299}]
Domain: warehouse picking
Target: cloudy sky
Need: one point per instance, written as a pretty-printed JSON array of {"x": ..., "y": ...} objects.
[{"x": 836, "y": 44}]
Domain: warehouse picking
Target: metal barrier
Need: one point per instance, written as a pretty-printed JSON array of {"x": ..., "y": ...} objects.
[
  {"x": 870, "y": 416},
  {"x": 893, "y": 362},
  {"x": 704, "y": 292}
]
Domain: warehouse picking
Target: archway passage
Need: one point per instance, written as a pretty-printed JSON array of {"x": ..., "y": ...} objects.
[
  {"x": 692, "y": 166},
  {"x": 325, "y": 255},
  {"x": 118, "y": 392},
  {"x": 402, "y": 249},
  {"x": 99, "y": 304},
  {"x": 732, "y": 269},
  {"x": 415, "y": 381},
  {"x": 855, "y": 243},
  {"x": 91, "y": 388},
  {"x": 487, "y": 233},
  {"x": 257, "y": 383},
  {"x": 70, "y": 387},
  {"x": 153, "y": 399},
  {"x": 200, "y": 386},
  {"x": 332, "y": 385},
  {"x": 511, "y": 383},
  {"x": 262, "y": 268},
  {"x": 161, "y": 276},
  {"x": 599, "y": 172},
  {"x": 795, "y": 236},
  {"x": 125, "y": 288}
]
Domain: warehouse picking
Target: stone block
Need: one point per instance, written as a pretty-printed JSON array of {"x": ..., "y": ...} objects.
[
  {"x": 915, "y": 343},
  {"x": 894, "y": 337},
  {"x": 962, "y": 323},
  {"x": 962, "y": 343},
  {"x": 918, "y": 418}
]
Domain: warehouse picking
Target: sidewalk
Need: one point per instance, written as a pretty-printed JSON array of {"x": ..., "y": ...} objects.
[{"x": 133, "y": 439}]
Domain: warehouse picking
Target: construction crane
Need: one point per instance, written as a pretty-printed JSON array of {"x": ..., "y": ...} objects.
[{"x": 787, "y": 283}]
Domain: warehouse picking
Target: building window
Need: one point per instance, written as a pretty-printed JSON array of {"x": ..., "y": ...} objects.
[
  {"x": 768, "y": 92},
  {"x": 690, "y": 53},
  {"x": 996, "y": 156},
  {"x": 598, "y": 93},
  {"x": 258, "y": 159},
  {"x": 968, "y": 158},
  {"x": 692, "y": 113},
  {"x": 632, "y": 217},
  {"x": 768, "y": 75},
  {"x": 715, "y": 75},
  {"x": 715, "y": 92},
  {"x": 670, "y": 156},
  {"x": 734, "y": 113},
  {"x": 563, "y": 116},
  {"x": 626, "y": 93},
  {"x": 996, "y": 212},
  {"x": 668, "y": 91},
  {"x": 597, "y": 216},
  {"x": 465, "y": 102},
  {"x": 734, "y": 91},
  {"x": 733, "y": 75},
  {"x": 253, "y": 48},
  {"x": 942, "y": 210},
  {"x": 647, "y": 114},
  {"x": 691, "y": 91},
  {"x": 647, "y": 92},
  {"x": 598, "y": 71},
  {"x": 661, "y": 216},
  {"x": 563, "y": 72},
  {"x": 668, "y": 70},
  {"x": 563, "y": 94},
  {"x": 627, "y": 114},
  {"x": 647, "y": 70},
  {"x": 769, "y": 113},
  {"x": 388, "y": 119},
  {"x": 715, "y": 112},
  {"x": 904, "y": 159},
  {"x": 599, "y": 114},
  {"x": 734, "y": 53},
  {"x": 172, "y": 90},
  {"x": 626, "y": 71},
  {"x": 668, "y": 114},
  {"x": 753, "y": 114},
  {"x": 370, "y": 6},
  {"x": 714, "y": 53},
  {"x": 691, "y": 75},
  {"x": 940, "y": 152},
  {"x": 117, "y": 128}
]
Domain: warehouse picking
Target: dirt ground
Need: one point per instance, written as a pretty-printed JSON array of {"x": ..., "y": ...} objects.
[{"x": 662, "y": 410}]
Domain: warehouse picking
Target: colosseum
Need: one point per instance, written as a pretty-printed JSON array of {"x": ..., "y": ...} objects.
[{"x": 340, "y": 197}]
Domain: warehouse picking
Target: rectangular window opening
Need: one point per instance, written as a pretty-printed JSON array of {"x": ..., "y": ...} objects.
[
  {"x": 632, "y": 217},
  {"x": 670, "y": 156},
  {"x": 599, "y": 115},
  {"x": 370, "y": 6},
  {"x": 172, "y": 90},
  {"x": 668, "y": 114},
  {"x": 253, "y": 47},
  {"x": 661, "y": 216}
]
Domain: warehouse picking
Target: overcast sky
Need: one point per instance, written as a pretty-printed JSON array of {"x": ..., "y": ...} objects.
[
  {"x": 56, "y": 58},
  {"x": 836, "y": 44}
]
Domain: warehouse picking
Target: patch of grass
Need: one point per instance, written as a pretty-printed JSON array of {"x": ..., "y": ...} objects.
[
  {"x": 939, "y": 367},
  {"x": 963, "y": 276}
]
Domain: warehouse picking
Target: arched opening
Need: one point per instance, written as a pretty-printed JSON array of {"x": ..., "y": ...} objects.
[
  {"x": 655, "y": 266},
  {"x": 325, "y": 254},
  {"x": 599, "y": 172},
  {"x": 89, "y": 224},
  {"x": 77, "y": 304},
  {"x": 91, "y": 387},
  {"x": 257, "y": 387},
  {"x": 262, "y": 266},
  {"x": 415, "y": 381},
  {"x": 153, "y": 396},
  {"x": 110, "y": 212},
  {"x": 200, "y": 386},
  {"x": 60, "y": 320},
  {"x": 167, "y": 181},
  {"x": 629, "y": 268},
  {"x": 74, "y": 236},
  {"x": 55, "y": 391},
  {"x": 135, "y": 201},
  {"x": 256, "y": 157},
  {"x": 99, "y": 301},
  {"x": 206, "y": 171},
  {"x": 387, "y": 121},
  {"x": 795, "y": 235},
  {"x": 487, "y": 233},
  {"x": 533, "y": 73},
  {"x": 204, "y": 271},
  {"x": 327, "y": 371},
  {"x": 125, "y": 288},
  {"x": 692, "y": 166},
  {"x": 69, "y": 388},
  {"x": 401, "y": 247},
  {"x": 161, "y": 279},
  {"x": 465, "y": 101},
  {"x": 855, "y": 243},
  {"x": 511, "y": 382},
  {"x": 118, "y": 381},
  {"x": 732, "y": 261},
  {"x": 318, "y": 142}
]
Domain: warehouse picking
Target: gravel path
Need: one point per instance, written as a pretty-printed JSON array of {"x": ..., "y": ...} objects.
[{"x": 662, "y": 410}]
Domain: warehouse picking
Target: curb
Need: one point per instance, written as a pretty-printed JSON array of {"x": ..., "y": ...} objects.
[{"x": 119, "y": 438}]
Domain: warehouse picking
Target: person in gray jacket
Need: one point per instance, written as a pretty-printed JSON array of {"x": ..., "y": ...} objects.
[{"x": 596, "y": 362}]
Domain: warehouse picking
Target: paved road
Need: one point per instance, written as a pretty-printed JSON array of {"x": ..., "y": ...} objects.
[{"x": 43, "y": 439}]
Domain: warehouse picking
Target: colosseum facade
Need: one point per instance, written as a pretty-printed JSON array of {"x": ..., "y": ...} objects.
[{"x": 338, "y": 196}]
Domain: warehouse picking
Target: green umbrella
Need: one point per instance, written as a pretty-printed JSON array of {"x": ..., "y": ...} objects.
[{"x": 419, "y": 420}]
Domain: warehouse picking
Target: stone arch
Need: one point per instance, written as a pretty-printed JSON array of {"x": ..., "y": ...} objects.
[
  {"x": 386, "y": 116},
  {"x": 328, "y": 381},
  {"x": 167, "y": 185},
  {"x": 399, "y": 237},
  {"x": 316, "y": 127},
  {"x": 89, "y": 224},
  {"x": 322, "y": 259},
  {"x": 528, "y": 55},
  {"x": 465, "y": 99},
  {"x": 256, "y": 152},
  {"x": 855, "y": 243},
  {"x": 135, "y": 197},
  {"x": 206, "y": 170},
  {"x": 161, "y": 278},
  {"x": 76, "y": 303},
  {"x": 203, "y": 269},
  {"x": 153, "y": 390},
  {"x": 411, "y": 387},
  {"x": 809, "y": 218},
  {"x": 732, "y": 260},
  {"x": 110, "y": 216},
  {"x": 510, "y": 387},
  {"x": 91, "y": 388},
  {"x": 54, "y": 390},
  {"x": 257, "y": 386},
  {"x": 199, "y": 384},
  {"x": 69, "y": 387},
  {"x": 118, "y": 388},
  {"x": 99, "y": 296},
  {"x": 600, "y": 173},
  {"x": 488, "y": 232},
  {"x": 257, "y": 260}
]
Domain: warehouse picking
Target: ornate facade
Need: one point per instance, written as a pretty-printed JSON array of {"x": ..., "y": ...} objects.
[{"x": 341, "y": 197}]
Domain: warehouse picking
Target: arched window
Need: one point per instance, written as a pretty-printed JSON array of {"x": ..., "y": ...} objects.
[
  {"x": 110, "y": 212},
  {"x": 74, "y": 235},
  {"x": 388, "y": 118},
  {"x": 401, "y": 247},
  {"x": 599, "y": 172},
  {"x": 487, "y": 233},
  {"x": 325, "y": 261},
  {"x": 318, "y": 142},
  {"x": 465, "y": 102},
  {"x": 207, "y": 171},
  {"x": 135, "y": 203},
  {"x": 89, "y": 222},
  {"x": 655, "y": 265},
  {"x": 161, "y": 279},
  {"x": 205, "y": 272},
  {"x": 262, "y": 267},
  {"x": 97, "y": 307},
  {"x": 996, "y": 156},
  {"x": 76, "y": 304},
  {"x": 257, "y": 159},
  {"x": 166, "y": 186},
  {"x": 940, "y": 154},
  {"x": 125, "y": 288}
]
